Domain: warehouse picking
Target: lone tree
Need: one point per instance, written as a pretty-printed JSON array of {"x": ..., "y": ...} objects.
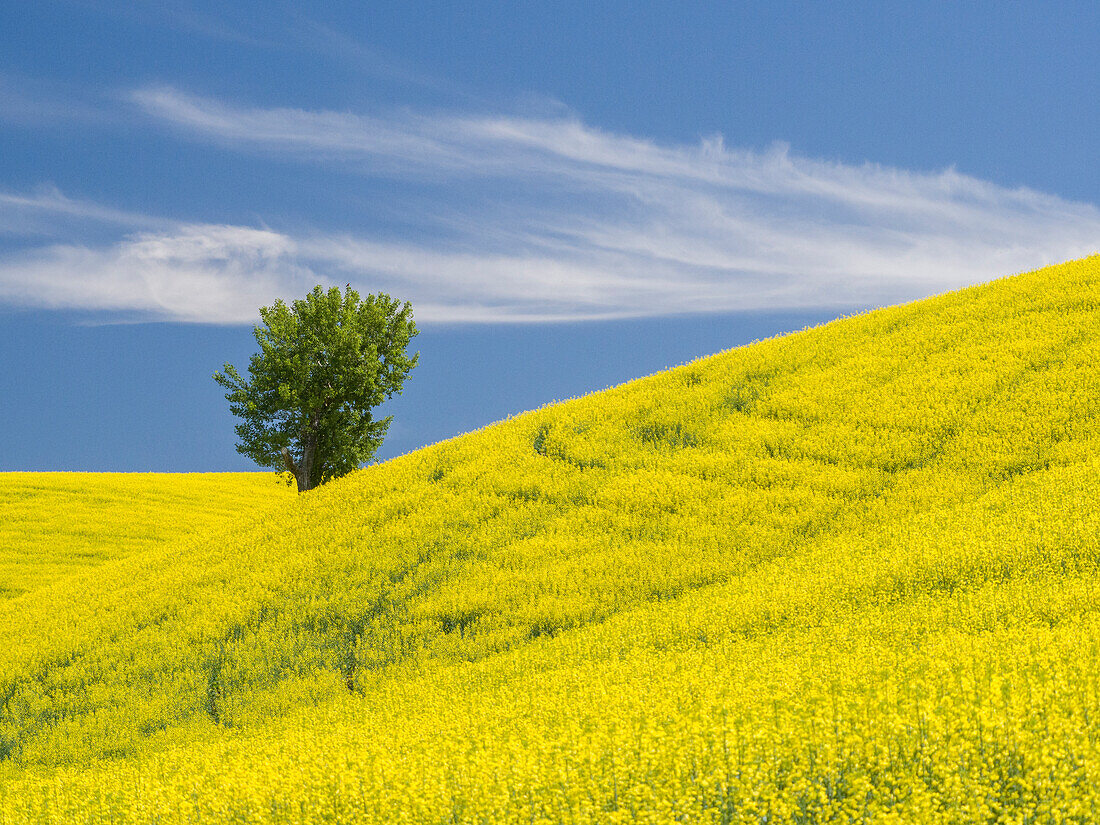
[{"x": 324, "y": 363}]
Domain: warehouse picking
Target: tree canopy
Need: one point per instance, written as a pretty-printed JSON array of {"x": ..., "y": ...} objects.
[{"x": 324, "y": 364}]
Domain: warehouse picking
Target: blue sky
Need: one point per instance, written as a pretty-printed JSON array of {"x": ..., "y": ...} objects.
[{"x": 570, "y": 194}]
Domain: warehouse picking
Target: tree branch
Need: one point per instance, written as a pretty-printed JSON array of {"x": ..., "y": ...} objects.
[{"x": 289, "y": 462}]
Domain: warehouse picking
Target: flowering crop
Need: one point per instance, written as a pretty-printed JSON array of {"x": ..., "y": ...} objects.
[
  {"x": 55, "y": 524},
  {"x": 850, "y": 574}
]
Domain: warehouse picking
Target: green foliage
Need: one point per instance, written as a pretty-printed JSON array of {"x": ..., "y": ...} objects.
[{"x": 324, "y": 363}]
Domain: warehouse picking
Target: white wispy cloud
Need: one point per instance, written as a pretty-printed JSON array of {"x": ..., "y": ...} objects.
[
  {"x": 200, "y": 273},
  {"x": 47, "y": 208},
  {"x": 580, "y": 224},
  {"x": 34, "y": 102}
]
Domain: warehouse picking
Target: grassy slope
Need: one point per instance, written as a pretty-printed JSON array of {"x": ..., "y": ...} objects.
[
  {"x": 54, "y": 524},
  {"x": 882, "y": 530}
]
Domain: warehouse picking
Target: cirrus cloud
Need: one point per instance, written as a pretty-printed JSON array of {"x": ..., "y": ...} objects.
[{"x": 583, "y": 224}]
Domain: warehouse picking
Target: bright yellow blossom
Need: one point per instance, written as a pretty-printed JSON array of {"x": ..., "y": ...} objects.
[{"x": 847, "y": 575}]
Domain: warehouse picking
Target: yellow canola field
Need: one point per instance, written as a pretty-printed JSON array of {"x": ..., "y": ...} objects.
[
  {"x": 844, "y": 575},
  {"x": 55, "y": 524}
]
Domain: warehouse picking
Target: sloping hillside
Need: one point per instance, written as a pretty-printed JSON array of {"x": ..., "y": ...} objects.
[
  {"x": 849, "y": 573},
  {"x": 54, "y": 524}
]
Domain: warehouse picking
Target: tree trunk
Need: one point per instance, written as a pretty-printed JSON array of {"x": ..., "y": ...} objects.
[
  {"x": 300, "y": 471},
  {"x": 305, "y": 468},
  {"x": 289, "y": 462},
  {"x": 309, "y": 455}
]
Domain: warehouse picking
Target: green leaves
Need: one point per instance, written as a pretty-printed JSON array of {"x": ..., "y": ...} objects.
[{"x": 324, "y": 363}]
